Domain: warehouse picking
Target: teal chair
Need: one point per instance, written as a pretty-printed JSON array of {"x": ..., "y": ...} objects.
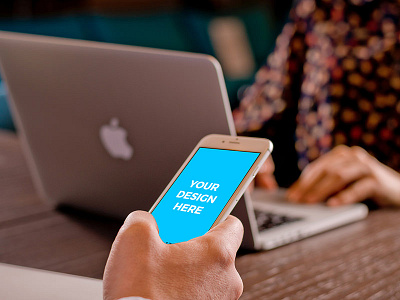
[{"x": 156, "y": 30}]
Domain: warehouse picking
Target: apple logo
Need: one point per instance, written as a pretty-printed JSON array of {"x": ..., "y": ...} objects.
[{"x": 113, "y": 137}]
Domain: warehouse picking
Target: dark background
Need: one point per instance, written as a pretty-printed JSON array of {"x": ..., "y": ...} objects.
[{"x": 19, "y": 8}]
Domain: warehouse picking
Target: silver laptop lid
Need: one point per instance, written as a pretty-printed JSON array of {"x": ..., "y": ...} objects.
[
  {"x": 107, "y": 126},
  {"x": 21, "y": 283}
]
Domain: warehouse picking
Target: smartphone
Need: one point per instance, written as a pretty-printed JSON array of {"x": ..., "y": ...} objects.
[{"x": 208, "y": 185}]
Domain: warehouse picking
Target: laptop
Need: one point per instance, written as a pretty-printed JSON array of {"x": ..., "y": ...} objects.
[
  {"x": 105, "y": 127},
  {"x": 21, "y": 283}
]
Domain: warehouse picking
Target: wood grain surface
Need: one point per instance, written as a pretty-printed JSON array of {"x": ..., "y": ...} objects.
[{"x": 357, "y": 261}]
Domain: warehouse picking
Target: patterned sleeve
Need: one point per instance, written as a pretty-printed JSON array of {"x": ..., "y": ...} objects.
[{"x": 265, "y": 97}]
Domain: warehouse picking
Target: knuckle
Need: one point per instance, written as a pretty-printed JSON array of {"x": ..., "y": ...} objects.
[
  {"x": 138, "y": 228},
  {"x": 220, "y": 253},
  {"x": 357, "y": 149},
  {"x": 338, "y": 176},
  {"x": 225, "y": 257},
  {"x": 335, "y": 174},
  {"x": 208, "y": 241},
  {"x": 237, "y": 224},
  {"x": 134, "y": 217},
  {"x": 130, "y": 218},
  {"x": 237, "y": 286},
  {"x": 307, "y": 170},
  {"x": 208, "y": 245},
  {"x": 310, "y": 166},
  {"x": 341, "y": 149},
  {"x": 359, "y": 152}
]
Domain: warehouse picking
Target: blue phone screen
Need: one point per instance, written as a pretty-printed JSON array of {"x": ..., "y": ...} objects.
[{"x": 199, "y": 194}]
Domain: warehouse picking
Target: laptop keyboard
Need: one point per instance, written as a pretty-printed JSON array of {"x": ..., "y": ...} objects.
[{"x": 268, "y": 220}]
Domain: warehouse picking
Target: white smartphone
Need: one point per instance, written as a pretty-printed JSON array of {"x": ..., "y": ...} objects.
[{"x": 208, "y": 185}]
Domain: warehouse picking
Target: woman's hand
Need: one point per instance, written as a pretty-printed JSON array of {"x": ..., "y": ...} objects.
[
  {"x": 346, "y": 175},
  {"x": 265, "y": 177}
]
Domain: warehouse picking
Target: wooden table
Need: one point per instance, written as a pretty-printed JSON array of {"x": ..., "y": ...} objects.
[{"x": 358, "y": 261}]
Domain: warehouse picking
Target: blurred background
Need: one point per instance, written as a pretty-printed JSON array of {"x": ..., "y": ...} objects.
[{"x": 239, "y": 33}]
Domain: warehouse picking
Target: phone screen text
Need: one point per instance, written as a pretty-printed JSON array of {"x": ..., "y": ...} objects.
[{"x": 199, "y": 194}]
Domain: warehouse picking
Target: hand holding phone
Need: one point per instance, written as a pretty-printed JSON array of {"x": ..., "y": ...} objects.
[{"x": 208, "y": 185}]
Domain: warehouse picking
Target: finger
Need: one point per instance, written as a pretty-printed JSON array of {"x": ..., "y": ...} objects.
[
  {"x": 139, "y": 225},
  {"x": 250, "y": 188},
  {"x": 140, "y": 217},
  {"x": 135, "y": 239},
  {"x": 266, "y": 181},
  {"x": 336, "y": 179},
  {"x": 265, "y": 178},
  {"x": 268, "y": 167},
  {"x": 357, "y": 192},
  {"x": 230, "y": 232},
  {"x": 309, "y": 179},
  {"x": 313, "y": 174}
]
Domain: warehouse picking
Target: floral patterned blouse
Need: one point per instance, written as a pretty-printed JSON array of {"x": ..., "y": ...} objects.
[{"x": 337, "y": 62}]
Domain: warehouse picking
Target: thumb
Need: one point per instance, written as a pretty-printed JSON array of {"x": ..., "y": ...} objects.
[
  {"x": 140, "y": 217},
  {"x": 140, "y": 226}
]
